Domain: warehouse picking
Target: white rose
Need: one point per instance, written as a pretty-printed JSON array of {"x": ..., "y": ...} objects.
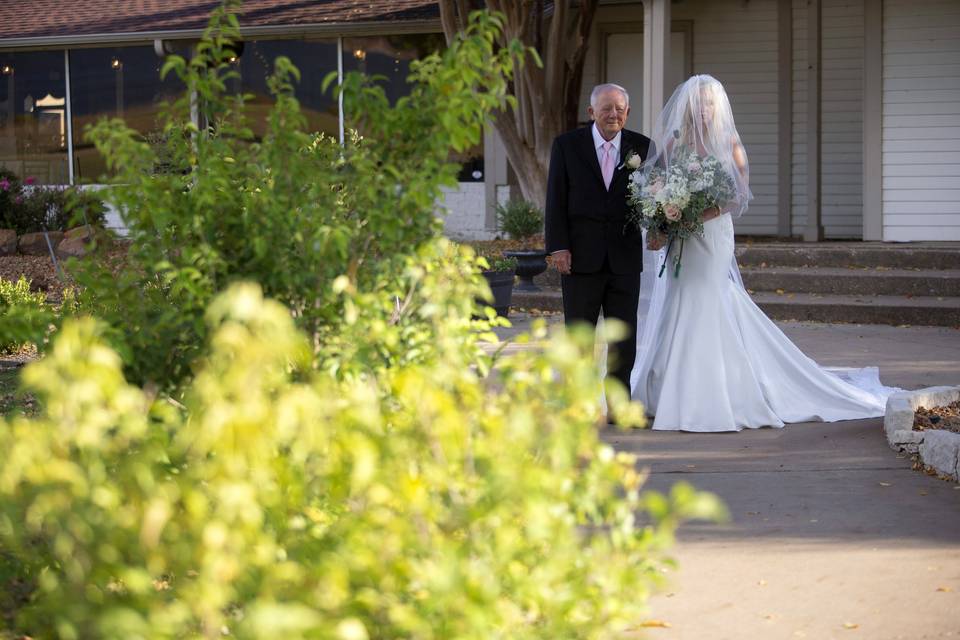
[{"x": 634, "y": 161}]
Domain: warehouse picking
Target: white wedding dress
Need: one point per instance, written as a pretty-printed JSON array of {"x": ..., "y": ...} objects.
[{"x": 708, "y": 359}]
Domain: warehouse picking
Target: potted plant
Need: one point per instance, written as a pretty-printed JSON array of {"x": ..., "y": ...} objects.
[
  {"x": 499, "y": 277},
  {"x": 522, "y": 221}
]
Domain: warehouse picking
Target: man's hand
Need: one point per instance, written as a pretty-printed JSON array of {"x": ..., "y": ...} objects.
[
  {"x": 561, "y": 261},
  {"x": 655, "y": 240}
]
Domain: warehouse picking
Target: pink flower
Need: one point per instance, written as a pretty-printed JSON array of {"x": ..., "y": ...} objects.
[
  {"x": 672, "y": 212},
  {"x": 29, "y": 180},
  {"x": 693, "y": 166},
  {"x": 5, "y": 184},
  {"x": 18, "y": 200},
  {"x": 656, "y": 185}
]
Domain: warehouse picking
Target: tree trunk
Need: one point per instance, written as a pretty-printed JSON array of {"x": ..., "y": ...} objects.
[{"x": 547, "y": 98}]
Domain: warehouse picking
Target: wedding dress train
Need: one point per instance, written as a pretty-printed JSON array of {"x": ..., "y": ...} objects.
[{"x": 709, "y": 359}]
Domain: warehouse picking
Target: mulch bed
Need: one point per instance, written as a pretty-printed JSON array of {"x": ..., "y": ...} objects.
[
  {"x": 42, "y": 274},
  {"x": 945, "y": 418},
  {"x": 498, "y": 246},
  {"x": 39, "y": 270}
]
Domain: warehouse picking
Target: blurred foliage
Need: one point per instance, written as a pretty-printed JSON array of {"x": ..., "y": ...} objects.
[{"x": 280, "y": 501}]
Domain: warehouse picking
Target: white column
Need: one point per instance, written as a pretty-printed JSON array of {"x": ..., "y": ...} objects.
[
  {"x": 69, "y": 115},
  {"x": 873, "y": 120},
  {"x": 656, "y": 48},
  {"x": 814, "y": 230},
  {"x": 784, "y": 117},
  {"x": 494, "y": 173},
  {"x": 339, "y": 84}
]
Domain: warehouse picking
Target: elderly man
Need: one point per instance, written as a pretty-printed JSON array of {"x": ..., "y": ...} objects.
[{"x": 599, "y": 257}]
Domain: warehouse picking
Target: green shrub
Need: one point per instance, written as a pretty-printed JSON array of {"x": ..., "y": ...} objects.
[
  {"x": 520, "y": 219},
  {"x": 283, "y": 502},
  {"x": 45, "y": 208},
  {"x": 501, "y": 263},
  {"x": 24, "y": 315},
  {"x": 304, "y": 217}
]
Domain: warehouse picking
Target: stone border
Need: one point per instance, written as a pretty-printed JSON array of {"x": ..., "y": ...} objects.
[{"x": 938, "y": 449}]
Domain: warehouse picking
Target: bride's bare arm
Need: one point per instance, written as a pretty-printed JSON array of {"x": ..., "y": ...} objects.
[{"x": 740, "y": 159}]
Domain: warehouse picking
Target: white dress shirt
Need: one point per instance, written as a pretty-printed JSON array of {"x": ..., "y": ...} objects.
[{"x": 598, "y": 145}]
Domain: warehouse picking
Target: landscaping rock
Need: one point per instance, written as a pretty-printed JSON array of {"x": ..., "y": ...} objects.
[
  {"x": 938, "y": 449},
  {"x": 8, "y": 242},
  {"x": 72, "y": 247},
  {"x": 83, "y": 231},
  {"x": 35, "y": 244},
  {"x": 941, "y": 451}
]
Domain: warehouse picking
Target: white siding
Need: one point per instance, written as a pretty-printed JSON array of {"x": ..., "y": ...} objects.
[
  {"x": 464, "y": 212},
  {"x": 841, "y": 198},
  {"x": 921, "y": 120},
  {"x": 736, "y": 42}
]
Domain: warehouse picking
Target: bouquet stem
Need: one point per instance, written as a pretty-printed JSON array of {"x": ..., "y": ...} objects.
[
  {"x": 666, "y": 255},
  {"x": 676, "y": 271}
]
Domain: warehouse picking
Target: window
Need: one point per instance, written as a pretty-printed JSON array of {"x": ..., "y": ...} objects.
[
  {"x": 314, "y": 58},
  {"x": 121, "y": 82},
  {"x": 33, "y": 122},
  {"x": 390, "y": 58}
]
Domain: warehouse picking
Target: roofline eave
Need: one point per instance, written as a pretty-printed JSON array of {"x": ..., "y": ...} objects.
[{"x": 331, "y": 29}]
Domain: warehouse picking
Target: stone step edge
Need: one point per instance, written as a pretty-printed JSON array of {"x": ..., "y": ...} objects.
[
  {"x": 822, "y": 308},
  {"x": 835, "y": 257},
  {"x": 852, "y": 272},
  {"x": 858, "y": 300}
]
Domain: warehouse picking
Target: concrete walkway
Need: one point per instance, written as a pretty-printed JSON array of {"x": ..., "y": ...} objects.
[{"x": 832, "y": 534}]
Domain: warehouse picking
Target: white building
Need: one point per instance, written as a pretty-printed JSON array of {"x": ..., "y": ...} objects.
[{"x": 873, "y": 84}]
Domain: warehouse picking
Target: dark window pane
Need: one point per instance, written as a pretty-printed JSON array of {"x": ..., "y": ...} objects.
[
  {"x": 390, "y": 57},
  {"x": 119, "y": 82},
  {"x": 314, "y": 59},
  {"x": 33, "y": 123}
]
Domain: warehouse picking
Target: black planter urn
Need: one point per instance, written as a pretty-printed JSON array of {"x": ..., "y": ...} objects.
[
  {"x": 501, "y": 286},
  {"x": 529, "y": 264}
]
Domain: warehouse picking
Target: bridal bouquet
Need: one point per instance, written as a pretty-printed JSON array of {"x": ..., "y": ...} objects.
[{"x": 671, "y": 201}]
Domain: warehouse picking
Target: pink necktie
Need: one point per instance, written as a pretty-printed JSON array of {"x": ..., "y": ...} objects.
[{"x": 607, "y": 167}]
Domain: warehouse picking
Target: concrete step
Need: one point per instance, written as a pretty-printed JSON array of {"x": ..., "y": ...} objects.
[
  {"x": 836, "y": 280},
  {"x": 859, "y": 309},
  {"x": 850, "y": 254},
  {"x": 547, "y": 299}
]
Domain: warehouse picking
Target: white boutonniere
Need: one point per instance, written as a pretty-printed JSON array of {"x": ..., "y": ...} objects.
[{"x": 632, "y": 161}]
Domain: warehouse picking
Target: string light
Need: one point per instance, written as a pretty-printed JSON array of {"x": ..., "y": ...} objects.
[
  {"x": 115, "y": 63},
  {"x": 360, "y": 54},
  {"x": 7, "y": 69}
]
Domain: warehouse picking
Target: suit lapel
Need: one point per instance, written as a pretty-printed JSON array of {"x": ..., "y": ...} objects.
[
  {"x": 590, "y": 152},
  {"x": 621, "y": 168}
]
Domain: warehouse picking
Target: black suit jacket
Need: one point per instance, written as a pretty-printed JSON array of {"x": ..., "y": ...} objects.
[{"x": 581, "y": 215}]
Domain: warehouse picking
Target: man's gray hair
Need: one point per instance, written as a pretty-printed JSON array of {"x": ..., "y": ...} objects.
[{"x": 603, "y": 88}]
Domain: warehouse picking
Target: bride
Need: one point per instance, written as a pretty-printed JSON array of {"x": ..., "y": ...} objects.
[{"x": 708, "y": 359}]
